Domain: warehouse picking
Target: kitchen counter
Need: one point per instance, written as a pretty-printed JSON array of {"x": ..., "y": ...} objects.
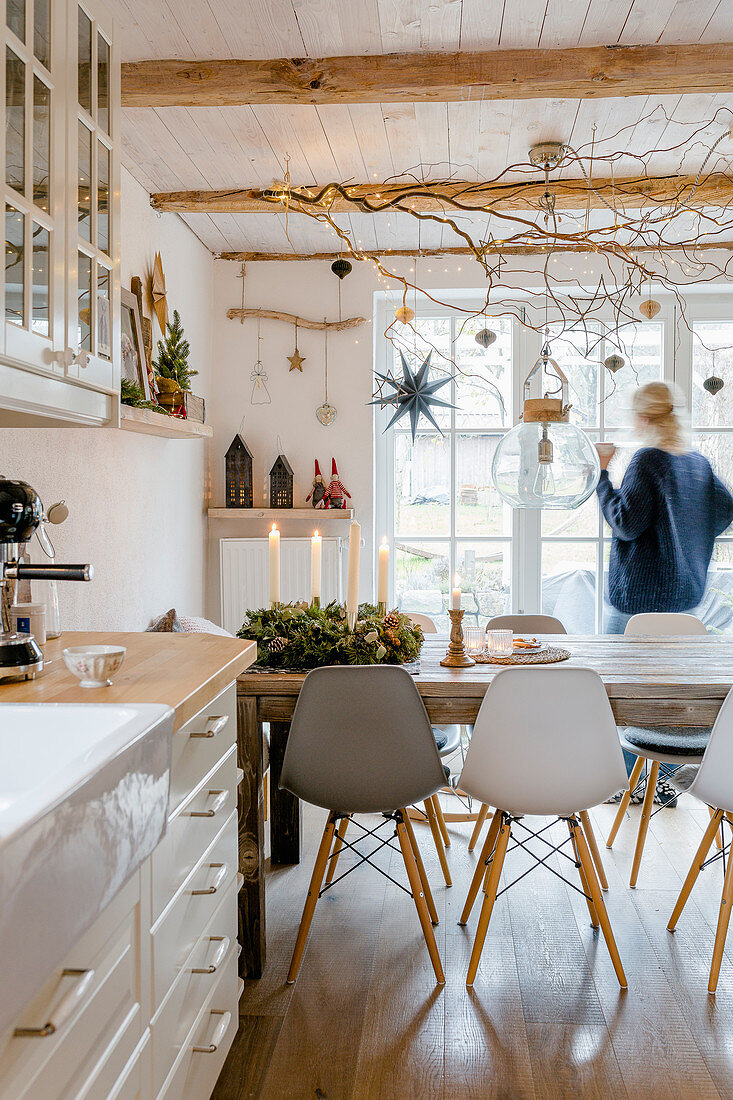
[{"x": 183, "y": 671}]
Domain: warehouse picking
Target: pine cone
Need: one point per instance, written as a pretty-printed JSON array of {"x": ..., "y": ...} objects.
[
  {"x": 277, "y": 645},
  {"x": 392, "y": 620}
]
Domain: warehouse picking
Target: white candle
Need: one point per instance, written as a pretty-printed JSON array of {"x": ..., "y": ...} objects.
[
  {"x": 352, "y": 590},
  {"x": 316, "y": 544},
  {"x": 274, "y": 565},
  {"x": 456, "y": 595},
  {"x": 383, "y": 576}
]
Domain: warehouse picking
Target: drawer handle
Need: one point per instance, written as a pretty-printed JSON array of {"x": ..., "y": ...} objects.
[
  {"x": 217, "y": 799},
  {"x": 214, "y": 725},
  {"x": 224, "y": 945},
  {"x": 222, "y": 871},
  {"x": 219, "y": 1032},
  {"x": 64, "y": 1008}
]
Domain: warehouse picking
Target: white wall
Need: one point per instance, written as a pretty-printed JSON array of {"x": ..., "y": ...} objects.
[{"x": 136, "y": 502}]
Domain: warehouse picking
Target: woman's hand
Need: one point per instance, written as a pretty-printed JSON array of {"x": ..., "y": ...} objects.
[{"x": 606, "y": 451}]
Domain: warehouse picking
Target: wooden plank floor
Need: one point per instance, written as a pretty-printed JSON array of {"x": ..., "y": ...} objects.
[{"x": 545, "y": 1020}]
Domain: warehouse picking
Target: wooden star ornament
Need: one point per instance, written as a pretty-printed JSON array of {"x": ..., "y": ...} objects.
[{"x": 296, "y": 360}]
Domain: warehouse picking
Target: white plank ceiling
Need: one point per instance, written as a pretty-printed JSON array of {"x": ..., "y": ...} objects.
[{"x": 176, "y": 148}]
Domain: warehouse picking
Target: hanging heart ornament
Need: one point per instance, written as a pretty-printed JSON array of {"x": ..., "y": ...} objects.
[{"x": 326, "y": 414}]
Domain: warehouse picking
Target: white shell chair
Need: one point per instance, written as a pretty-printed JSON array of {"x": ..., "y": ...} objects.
[
  {"x": 562, "y": 754},
  {"x": 712, "y": 783},
  {"x": 668, "y": 748}
]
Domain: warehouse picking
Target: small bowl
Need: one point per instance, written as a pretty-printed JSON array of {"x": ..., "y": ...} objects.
[{"x": 94, "y": 664}]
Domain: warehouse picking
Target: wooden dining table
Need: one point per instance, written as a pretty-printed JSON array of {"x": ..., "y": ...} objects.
[{"x": 672, "y": 681}]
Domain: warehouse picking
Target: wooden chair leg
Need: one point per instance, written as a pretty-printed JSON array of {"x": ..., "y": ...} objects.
[
  {"x": 441, "y": 821},
  {"x": 419, "y": 898},
  {"x": 312, "y": 899},
  {"x": 337, "y": 846},
  {"x": 646, "y": 816},
  {"x": 590, "y": 836},
  {"x": 722, "y": 930},
  {"x": 695, "y": 867},
  {"x": 438, "y": 839},
  {"x": 624, "y": 803},
  {"x": 583, "y": 880},
  {"x": 480, "y": 873},
  {"x": 599, "y": 903},
  {"x": 719, "y": 834},
  {"x": 478, "y": 826},
  {"x": 421, "y": 871},
  {"x": 493, "y": 875}
]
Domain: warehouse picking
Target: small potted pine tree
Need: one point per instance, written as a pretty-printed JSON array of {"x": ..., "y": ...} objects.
[{"x": 173, "y": 374}]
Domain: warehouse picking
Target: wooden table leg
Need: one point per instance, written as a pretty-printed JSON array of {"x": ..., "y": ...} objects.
[
  {"x": 250, "y": 810},
  {"x": 286, "y": 812}
]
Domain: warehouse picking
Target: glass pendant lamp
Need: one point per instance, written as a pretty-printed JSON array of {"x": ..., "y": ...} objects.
[{"x": 545, "y": 462}]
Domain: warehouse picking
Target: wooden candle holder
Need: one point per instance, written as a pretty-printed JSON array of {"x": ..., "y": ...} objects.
[{"x": 456, "y": 657}]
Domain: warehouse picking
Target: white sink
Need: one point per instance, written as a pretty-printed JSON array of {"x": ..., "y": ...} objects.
[{"x": 83, "y": 801}]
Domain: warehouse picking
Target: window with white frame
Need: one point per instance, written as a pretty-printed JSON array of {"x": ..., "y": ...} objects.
[{"x": 435, "y": 499}]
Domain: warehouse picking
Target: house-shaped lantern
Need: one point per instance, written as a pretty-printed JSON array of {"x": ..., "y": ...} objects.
[
  {"x": 239, "y": 474},
  {"x": 281, "y": 483}
]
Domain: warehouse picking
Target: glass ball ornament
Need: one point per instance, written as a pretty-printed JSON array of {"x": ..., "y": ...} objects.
[{"x": 545, "y": 464}]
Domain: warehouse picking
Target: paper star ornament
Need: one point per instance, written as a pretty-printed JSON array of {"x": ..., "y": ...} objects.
[{"x": 414, "y": 394}]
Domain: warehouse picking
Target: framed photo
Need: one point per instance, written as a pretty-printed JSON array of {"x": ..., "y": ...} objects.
[{"x": 133, "y": 349}]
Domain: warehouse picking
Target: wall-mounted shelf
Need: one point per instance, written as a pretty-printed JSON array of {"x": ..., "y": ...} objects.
[
  {"x": 317, "y": 516},
  {"x": 153, "y": 423}
]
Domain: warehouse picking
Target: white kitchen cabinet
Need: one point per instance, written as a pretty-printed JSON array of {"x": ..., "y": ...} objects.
[{"x": 60, "y": 293}]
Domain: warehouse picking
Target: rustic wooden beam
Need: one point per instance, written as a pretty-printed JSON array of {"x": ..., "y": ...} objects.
[
  {"x": 301, "y": 322},
  {"x": 586, "y": 72},
  {"x": 423, "y": 253},
  {"x": 630, "y": 192}
]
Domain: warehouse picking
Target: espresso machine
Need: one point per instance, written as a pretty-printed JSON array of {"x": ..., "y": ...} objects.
[{"x": 21, "y": 512}]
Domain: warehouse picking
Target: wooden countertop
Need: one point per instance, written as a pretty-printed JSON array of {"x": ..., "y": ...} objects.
[{"x": 184, "y": 671}]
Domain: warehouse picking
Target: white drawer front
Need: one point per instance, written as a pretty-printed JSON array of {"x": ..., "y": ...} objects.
[
  {"x": 134, "y": 1083},
  {"x": 214, "y": 951},
  {"x": 191, "y": 830},
  {"x": 183, "y": 922},
  {"x": 103, "y": 1081},
  {"x": 201, "y": 743}
]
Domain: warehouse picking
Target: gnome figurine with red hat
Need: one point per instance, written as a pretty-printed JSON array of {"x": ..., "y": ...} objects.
[
  {"x": 336, "y": 491},
  {"x": 318, "y": 492}
]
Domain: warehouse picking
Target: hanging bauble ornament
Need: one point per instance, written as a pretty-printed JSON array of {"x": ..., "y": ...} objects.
[
  {"x": 713, "y": 384},
  {"x": 650, "y": 308},
  {"x": 404, "y": 315},
  {"x": 485, "y": 337},
  {"x": 613, "y": 363},
  {"x": 326, "y": 414},
  {"x": 340, "y": 267}
]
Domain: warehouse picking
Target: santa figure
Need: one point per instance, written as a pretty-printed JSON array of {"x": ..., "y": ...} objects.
[
  {"x": 318, "y": 491},
  {"x": 336, "y": 491}
]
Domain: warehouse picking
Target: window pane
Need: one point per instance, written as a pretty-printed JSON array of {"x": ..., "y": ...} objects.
[
  {"x": 14, "y": 121},
  {"x": 718, "y": 449},
  {"x": 484, "y": 569},
  {"x": 479, "y": 508},
  {"x": 422, "y": 484},
  {"x": 84, "y": 61},
  {"x": 421, "y": 579},
  {"x": 484, "y": 375},
  {"x": 577, "y": 353},
  {"x": 85, "y": 183},
  {"x": 15, "y": 17},
  {"x": 84, "y": 299},
  {"x": 103, "y": 83},
  {"x": 569, "y": 584},
  {"x": 104, "y": 347},
  {"x": 641, "y": 346},
  {"x": 14, "y": 268},
  {"x": 102, "y": 197},
  {"x": 716, "y": 609},
  {"x": 712, "y": 353},
  {"x": 40, "y": 281},
  {"x": 431, "y": 337},
  {"x": 41, "y": 144},
  {"x": 42, "y": 31}
]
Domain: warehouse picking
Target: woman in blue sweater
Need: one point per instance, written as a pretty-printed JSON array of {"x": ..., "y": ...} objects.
[{"x": 664, "y": 519}]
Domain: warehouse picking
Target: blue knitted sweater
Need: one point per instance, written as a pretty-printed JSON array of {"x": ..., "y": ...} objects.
[{"x": 664, "y": 520}]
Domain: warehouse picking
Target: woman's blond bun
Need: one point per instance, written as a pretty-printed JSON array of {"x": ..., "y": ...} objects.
[{"x": 660, "y": 405}]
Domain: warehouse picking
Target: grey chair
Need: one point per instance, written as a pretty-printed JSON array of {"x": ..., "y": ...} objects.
[
  {"x": 527, "y": 624},
  {"x": 361, "y": 743}
]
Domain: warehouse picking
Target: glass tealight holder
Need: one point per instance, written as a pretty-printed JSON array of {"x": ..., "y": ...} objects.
[
  {"x": 475, "y": 640},
  {"x": 500, "y": 643}
]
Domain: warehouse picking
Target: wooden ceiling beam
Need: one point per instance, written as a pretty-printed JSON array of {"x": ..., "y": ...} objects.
[
  {"x": 585, "y": 72},
  {"x": 632, "y": 193},
  {"x": 423, "y": 253}
]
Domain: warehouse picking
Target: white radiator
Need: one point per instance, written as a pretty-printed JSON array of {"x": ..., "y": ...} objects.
[{"x": 245, "y": 574}]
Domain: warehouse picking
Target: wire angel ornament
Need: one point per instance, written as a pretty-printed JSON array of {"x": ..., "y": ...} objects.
[{"x": 260, "y": 393}]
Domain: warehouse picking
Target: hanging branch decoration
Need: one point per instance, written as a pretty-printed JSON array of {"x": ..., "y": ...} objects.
[
  {"x": 296, "y": 360},
  {"x": 414, "y": 394}
]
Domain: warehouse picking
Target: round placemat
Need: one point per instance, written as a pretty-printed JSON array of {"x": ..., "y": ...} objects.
[{"x": 547, "y": 656}]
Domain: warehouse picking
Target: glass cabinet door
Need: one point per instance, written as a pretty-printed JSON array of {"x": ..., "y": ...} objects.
[{"x": 32, "y": 293}]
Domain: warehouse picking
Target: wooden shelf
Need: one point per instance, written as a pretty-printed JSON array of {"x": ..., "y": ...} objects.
[
  {"x": 317, "y": 515},
  {"x": 153, "y": 423}
]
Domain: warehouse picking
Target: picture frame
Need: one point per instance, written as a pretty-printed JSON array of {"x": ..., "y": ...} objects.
[{"x": 132, "y": 352}]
